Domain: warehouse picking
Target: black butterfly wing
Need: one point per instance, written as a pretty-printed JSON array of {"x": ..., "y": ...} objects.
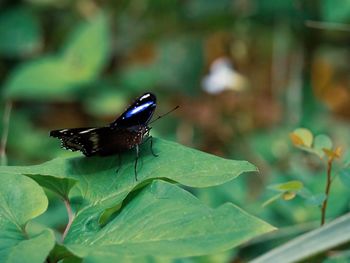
[{"x": 85, "y": 140}]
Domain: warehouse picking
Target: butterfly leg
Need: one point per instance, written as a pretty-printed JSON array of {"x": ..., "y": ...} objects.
[
  {"x": 137, "y": 158},
  {"x": 149, "y": 137},
  {"x": 119, "y": 163},
  {"x": 154, "y": 154}
]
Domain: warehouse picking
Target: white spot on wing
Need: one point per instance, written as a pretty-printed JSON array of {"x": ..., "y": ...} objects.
[
  {"x": 145, "y": 96},
  {"x": 82, "y": 132}
]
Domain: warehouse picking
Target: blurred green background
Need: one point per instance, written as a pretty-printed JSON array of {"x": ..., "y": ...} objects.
[{"x": 245, "y": 74}]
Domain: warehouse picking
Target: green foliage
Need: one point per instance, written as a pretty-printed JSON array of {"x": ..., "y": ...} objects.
[
  {"x": 302, "y": 137},
  {"x": 21, "y": 200},
  {"x": 31, "y": 137},
  {"x": 176, "y": 162},
  {"x": 87, "y": 48},
  {"x": 146, "y": 217},
  {"x": 309, "y": 169},
  {"x": 320, "y": 145},
  {"x": 314, "y": 242},
  {"x": 322, "y": 142},
  {"x": 176, "y": 63},
  {"x": 56, "y": 76},
  {"x": 77, "y": 63},
  {"x": 198, "y": 9},
  {"x": 107, "y": 103},
  {"x": 287, "y": 191},
  {"x": 336, "y": 13},
  {"x": 316, "y": 200},
  {"x": 288, "y": 186},
  {"x": 165, "y": 220},
  {"x": 344, "y": 176},
  {"x": 20, "y": 33}
]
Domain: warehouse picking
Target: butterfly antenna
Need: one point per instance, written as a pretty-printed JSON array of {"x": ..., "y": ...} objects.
[{"x": 161, "y": 116}]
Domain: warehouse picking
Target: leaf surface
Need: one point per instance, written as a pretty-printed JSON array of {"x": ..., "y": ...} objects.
[
  {"x": 101, "y": 187},
  {"x": 21, "y": 200},
  {"x": 60, "y": 75},
  {"x": 165, "y": 220}
]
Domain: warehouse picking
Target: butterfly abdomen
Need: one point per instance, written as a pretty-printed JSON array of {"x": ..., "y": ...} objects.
[{"x": 121, "y": 140}]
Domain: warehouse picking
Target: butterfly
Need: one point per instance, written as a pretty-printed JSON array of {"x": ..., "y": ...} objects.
[{"x": 127, "y": 132}]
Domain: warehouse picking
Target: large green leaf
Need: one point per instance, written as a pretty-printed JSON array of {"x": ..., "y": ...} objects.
[
  {"x": 165, "y": 220},
  {"x": 57, "y": 76},
  {"x": 21, "y": 200},
  {"x": 98, "y": 178},
  {"x": 40, "y": 79},
  {"x": 101, "y": 187},
  {"x": 87, "y": 49}
]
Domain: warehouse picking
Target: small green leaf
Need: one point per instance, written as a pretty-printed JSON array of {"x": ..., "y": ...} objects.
[
  {"x": 19, "y": 32},
  {"x": 316, "y": 200},
  {"x": 57, "y": 183},
  {"x": 310, "y": 198},
  {"x": 304, "y": 137},
  {"x": 286, "y": 196},
  {"x": 60, "y": 186},
  {"x": 288, "y": 186},
  {"x": 21, "y": 200},
  {"x": 287, "y": 191},
  {"x": 344, "y": 176},
  {"x": 165, "y": 220},
  {"x": 322, "y": 142}
]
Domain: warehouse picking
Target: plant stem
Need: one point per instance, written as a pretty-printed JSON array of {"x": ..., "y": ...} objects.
[
  {"x": 327, "y": 25},
  {"x": 5, "y": 131},
  {"x": 25, "y": 234},
  {"x": 70, "y": 217},
  {"x": 328, "y": 187}
]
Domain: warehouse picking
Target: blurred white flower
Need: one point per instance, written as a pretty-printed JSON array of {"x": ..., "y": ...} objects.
[{"x": 222, "y": 77}]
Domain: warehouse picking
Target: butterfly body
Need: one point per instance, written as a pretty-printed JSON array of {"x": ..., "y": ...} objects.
[{"x": 127, "y": 132}]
